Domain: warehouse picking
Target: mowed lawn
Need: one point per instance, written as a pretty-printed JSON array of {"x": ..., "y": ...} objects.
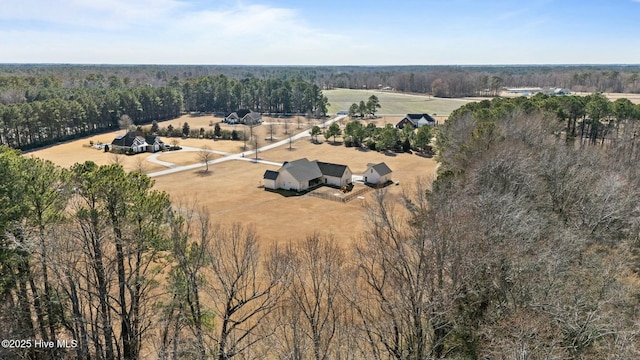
[{"x": 393, "y": 103}]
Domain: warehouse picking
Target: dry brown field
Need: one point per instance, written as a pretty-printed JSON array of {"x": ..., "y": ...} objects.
[
  {"x": 78, "y": 151},
  {"x": 232, "y": 190},
  {"x": 634, "y": 98}
]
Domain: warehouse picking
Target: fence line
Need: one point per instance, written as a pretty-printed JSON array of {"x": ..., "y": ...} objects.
[{"x": 344, "y": 199}]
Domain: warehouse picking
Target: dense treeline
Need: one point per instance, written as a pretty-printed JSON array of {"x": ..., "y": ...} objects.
[
  {"x": 222, "y": 94},
  {"x": 37, "y": 111},
  {"x": 51, "y": 116},
  {"x": 453, "y": 81},
  {"x": 44, "y": 104},
  {"x": 459, "y": 81},
  {"x": 525, "y": 246}
]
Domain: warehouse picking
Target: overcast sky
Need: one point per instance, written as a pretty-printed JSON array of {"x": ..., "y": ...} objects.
[{"x": 325, "y": 32}]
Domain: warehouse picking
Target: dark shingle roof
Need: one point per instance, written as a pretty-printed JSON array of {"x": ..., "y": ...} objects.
[
  {"x": 381, "y": 168},
  {"x": 415, "y": 117},
  {"x": 270, "y": 175},
  {"x": 329, "y": 169},
  {"x": 242, "y": 112},
  {"x": 150, "y": 139},
  {"x": 252, "y": 117},
  {"x": 303, "y": 169},
  {"x": 126, "y": 139}
]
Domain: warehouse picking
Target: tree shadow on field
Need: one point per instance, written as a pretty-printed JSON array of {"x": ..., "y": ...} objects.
[
  {"x": 203, "y": 173},
  {"x": 424, "y": 155}
]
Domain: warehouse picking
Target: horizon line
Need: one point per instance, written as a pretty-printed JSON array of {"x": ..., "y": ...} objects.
[{"x": 316, "y": 65}]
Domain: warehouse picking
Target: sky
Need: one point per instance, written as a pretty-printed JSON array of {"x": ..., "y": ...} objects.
[{"x": 325, "y": 32}]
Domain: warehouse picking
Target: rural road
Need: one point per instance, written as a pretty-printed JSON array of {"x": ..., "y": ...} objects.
[{"x": 245, "y": 155}]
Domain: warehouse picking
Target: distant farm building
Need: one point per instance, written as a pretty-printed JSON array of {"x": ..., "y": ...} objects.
[
  {"x": 525, "y": 91},
  {"x": 530, "y": 91},
  {"x": 416, "y": 121},
  {"x": 343, "y": 112},
  {"x": 136, "y": 142}
]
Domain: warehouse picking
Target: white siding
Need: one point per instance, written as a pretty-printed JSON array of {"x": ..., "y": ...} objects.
[
  {"x": 371, "y": 176},
  {"x": 288, "y": 182},
  {"x": 346, "y": 177},
  {"x": 332, "y": 180},
  {"x": 270, "y": 184},
  {"x": 384, "y": 179}
]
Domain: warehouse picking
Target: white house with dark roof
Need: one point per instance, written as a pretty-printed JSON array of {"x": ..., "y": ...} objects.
[
  {"x": 416, "y": 120},
  {"x": 377, "y": 174},
  {"x": 335, "y": 174},
  {"x": 270, "y": 179},
  {"x": 302, "y": 174},
  {"x": 137, "y": 142},
  {"x": 243, "y": 116}
]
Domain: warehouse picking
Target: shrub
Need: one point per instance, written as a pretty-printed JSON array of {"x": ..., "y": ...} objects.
[
  {"x": 348, "y": 142},
  {"x": 226, "y": 135},
  {"x": 371, "y": 144}
]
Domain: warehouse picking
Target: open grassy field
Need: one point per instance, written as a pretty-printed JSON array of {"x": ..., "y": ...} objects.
[
  {"x": 634, "y": 98},
  {"x": 78, "y": 151},
  {"x": 232, "y": 191},
  {"x": 393, "y": 103}
]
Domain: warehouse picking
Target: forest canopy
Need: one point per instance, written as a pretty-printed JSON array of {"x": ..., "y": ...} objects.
[{"x": 42, "y": 110}]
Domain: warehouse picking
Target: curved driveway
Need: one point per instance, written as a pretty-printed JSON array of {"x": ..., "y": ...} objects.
[{"x": 245, "y": 155}]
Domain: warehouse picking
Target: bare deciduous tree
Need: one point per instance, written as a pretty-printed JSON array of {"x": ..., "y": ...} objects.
[
  {"x": 205, "y": 155},
  {"x": 315, "y": 296},
  {"x": 126, "y": 123},
  {"x": 244, "y": 290},
  {"x": 141, "y": 165},
  {"x": 186, "y": 310}
]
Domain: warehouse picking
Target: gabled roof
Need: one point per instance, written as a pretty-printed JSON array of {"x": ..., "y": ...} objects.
[
  {"x": 127, "y": 139},
  {"x": 239, "y": 114},
  {"x": 242, "y": 112},
  {"x": 270, "y": 175},
  {"x": 414, "y": 118},
  {"x": 381, "y": 168},
  {"x": 329, "y": 169},
  {"x": 151, "y": 139},
  {"x": 252, "y": 117},
  {"x": 302, "y": 169}
]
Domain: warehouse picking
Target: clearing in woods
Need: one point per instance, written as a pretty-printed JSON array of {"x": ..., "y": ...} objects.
[
  {"x": 393, "y": 103},
  {"x": 232, "y": 190}
]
